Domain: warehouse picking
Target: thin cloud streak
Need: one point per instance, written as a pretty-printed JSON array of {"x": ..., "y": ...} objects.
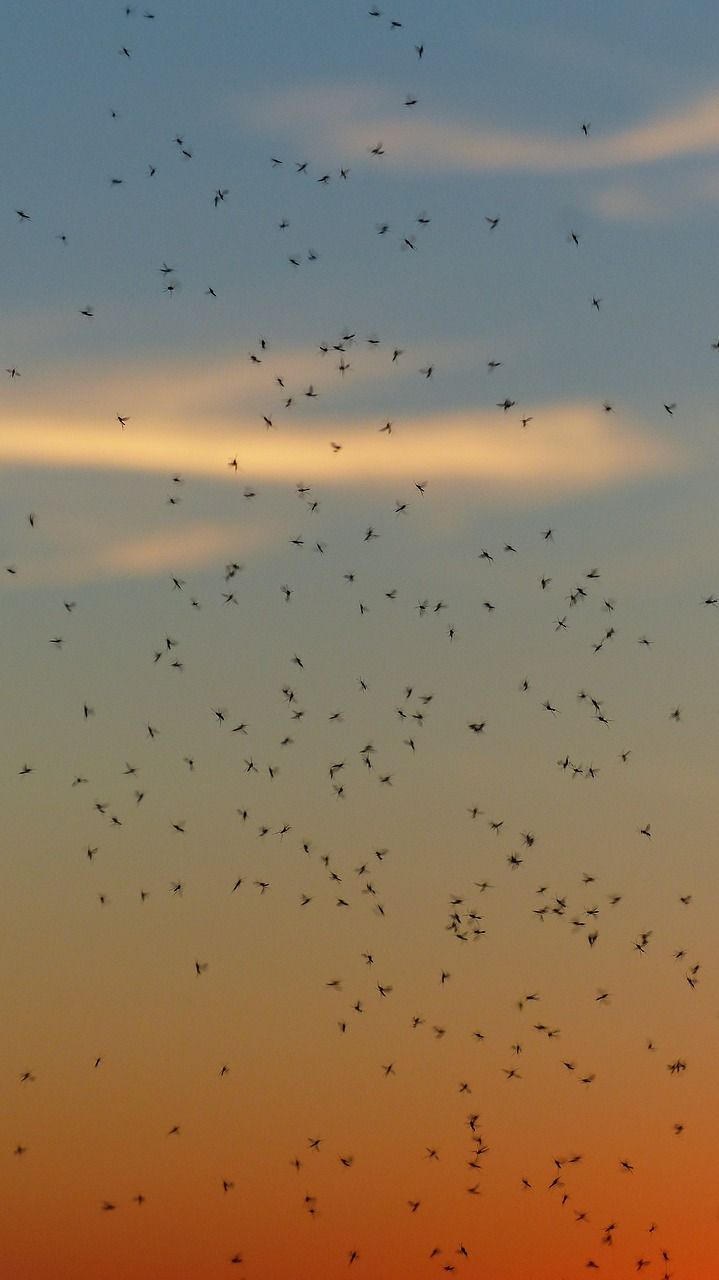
[
  {"x": 424, "y": 145},
  {"x": 567, "y": 447},
  {"x": 77, "y": 554},
  {"x": 193, "y": 546},
  {"x": 655, "y": 202},
  {"x": 209, "y": 388}
]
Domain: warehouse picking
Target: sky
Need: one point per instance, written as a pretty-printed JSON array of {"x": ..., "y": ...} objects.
[{"x": 359, "y": 615}]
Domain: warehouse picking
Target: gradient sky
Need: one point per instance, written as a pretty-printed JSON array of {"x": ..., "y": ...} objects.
[{"x": 263, "y": 882}]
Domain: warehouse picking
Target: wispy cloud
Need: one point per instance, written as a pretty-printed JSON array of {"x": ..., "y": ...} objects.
[
  {"x": 566, "y": 449},
  {"x": 192, "y": 546},
  {"x": 352, "y": 119},
  {"x": 651, "y": 202},
  {"x": 214, "y": 386},
  {"x": 566, "y": 446},
  {"x": 81, "y": 552},
  {"x": 625, "y": 202}
]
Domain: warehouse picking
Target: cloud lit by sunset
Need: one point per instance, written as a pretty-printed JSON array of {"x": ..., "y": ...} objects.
[{"x": 569, "y": 446}]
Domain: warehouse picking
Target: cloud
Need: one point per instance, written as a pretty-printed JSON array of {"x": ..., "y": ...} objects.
[
  {"x": 353, "y": 119},
  {"x": 214, "y": 386},
  {"x": 82, "y": 552},
  {"x": 627, "y": 203},
  {"x": 655, "y": 202},
  {"x": 195, "y": 418},
  {"x": 192, "y": 546},
  {"x": 566, "y": 446}
]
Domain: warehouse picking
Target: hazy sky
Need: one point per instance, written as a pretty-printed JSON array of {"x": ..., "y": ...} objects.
[{"x": 359, "y": 632}]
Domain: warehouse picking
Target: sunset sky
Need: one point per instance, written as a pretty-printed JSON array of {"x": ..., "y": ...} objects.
[{"x": 360, "y": 623}]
